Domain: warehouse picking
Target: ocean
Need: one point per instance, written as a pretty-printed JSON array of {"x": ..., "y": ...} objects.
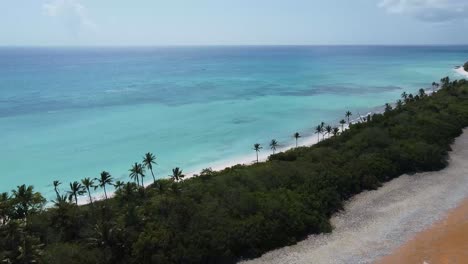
[{"x": 70, "y": 113}]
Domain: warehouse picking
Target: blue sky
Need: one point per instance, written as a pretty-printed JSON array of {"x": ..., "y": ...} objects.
[{"x": 233, "y": 22}]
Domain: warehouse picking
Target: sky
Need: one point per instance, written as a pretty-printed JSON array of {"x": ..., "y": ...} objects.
[{"x": 232, "y": 22}]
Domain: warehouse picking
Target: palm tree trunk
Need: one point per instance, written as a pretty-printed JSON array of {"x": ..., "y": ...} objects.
[
  {"x": 142, "y": 184},
  {"x": 154, "y": 179},
  {"x": 296, "y": 142},
  {"x": 90, "y": 198},
  {"x": 76, "y": 200},
  {"x": 138, "y": 180},
  {"x": 257, "y": 156},
  {"x": 105, "y": 193},
  {"x": 56, "y": 192}
]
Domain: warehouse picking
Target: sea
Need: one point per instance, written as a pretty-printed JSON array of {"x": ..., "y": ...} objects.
[{"x": 71, "y": 112}]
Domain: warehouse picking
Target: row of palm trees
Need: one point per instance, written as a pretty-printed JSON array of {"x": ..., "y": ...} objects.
[
  {"x": 321, "y": 129},
  {"x": 136, "y": 173},
  {"x": 138, "y": 170}
]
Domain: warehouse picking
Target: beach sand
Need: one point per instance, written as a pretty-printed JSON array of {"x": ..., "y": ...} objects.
[
  {"x": 444, "y": 242},
  {"x": 376, "y": 223},
  {"x": 461, "y": 71}
]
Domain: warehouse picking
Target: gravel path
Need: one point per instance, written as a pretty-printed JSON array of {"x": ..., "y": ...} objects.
[{"x": 374, "y": 223}]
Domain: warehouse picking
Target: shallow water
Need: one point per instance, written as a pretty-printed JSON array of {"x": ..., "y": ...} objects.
[
  {"x": 69, "y": 113},
  {"x": 375, "y": 223}
]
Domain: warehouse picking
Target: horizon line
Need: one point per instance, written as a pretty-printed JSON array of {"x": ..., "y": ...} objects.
[{"x": 225, "y": 45}]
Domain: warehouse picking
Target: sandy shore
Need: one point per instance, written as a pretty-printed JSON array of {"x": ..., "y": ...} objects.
[
  {"x": 461, "y": 71},
  {"x": 444, "y": 242},
  {"x": 376, "y": 223}
]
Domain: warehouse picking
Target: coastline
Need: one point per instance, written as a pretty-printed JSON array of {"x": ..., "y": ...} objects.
[
  {"x": 461, "y": 71},
  {"x": 375, "y": 223}
]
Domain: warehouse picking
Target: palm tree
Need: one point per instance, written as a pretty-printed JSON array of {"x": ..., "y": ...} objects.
[
  {"x": 118, "y": 185},
  {"x": 106, "y": 179},
  {"x": 399, "y": 104},
  {"x": 445, "y": 81},
  {"x": 388, "y": 107},
  {"x": 335, "y": 131},
  {"x": 136, "y": 171},
  {"x": 410, "y": 97},
  {"x": 421, "y": 93},
  {"x": 177, "y": 174},
  {"x": 134, "y": 175},
  {"x": 26, "y": 200},
  {"x": 329, "y": 129},
  {"x": 342, "y": 122},
  {"x": 273, "y": 145},
  {"x": 404, "y": 95},
  {"x": 148, "y": 160},
  {"x": 257, "y": 148},
  {"x": 318, "y": 130},
  {"x": 75, "y": 189},
  {"x": 348, "y": 115},
  {"x": 87, "y": 184},
  {"x": 56, "y": 185},
  {"x": 435, "y": 86},
  {"x": 296, "y": 136}
]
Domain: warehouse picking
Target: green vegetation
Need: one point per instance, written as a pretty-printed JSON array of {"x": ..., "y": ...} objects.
[{"x": 242, "y": 211}]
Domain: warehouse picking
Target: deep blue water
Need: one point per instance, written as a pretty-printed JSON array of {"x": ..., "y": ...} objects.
[{"x": 69, "y": 113}]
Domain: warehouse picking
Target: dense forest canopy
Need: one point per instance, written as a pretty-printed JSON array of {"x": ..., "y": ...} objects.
[{"x": 242, "y": 211}]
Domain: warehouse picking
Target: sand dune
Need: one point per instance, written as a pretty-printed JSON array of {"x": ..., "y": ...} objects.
[{"x": 375, "y": 223}]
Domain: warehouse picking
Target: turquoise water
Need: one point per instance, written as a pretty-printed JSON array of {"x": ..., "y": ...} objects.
[{"x": 69, "y": 113}]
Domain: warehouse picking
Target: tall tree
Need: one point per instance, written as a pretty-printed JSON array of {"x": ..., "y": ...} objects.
[
  {"x": 257, "y": 148},
  {"x": 348, "y": 114},
  {"x": 5, "y": 208},
  {"x": 445, "y": 82},
  {"x": 435, "y": 86},
  {"x": 76, "y": 189},
  {"x": 148, "y": 160},
  {"x": 106, "y": 179},
  {"x": 177, "y": 174},
  {"x": 335, "y": 131},
  {"x": 273, "y": 145},
  {"x": 329, "y": 129},
  {"x": 26, "y": 201},
  {"x": 118, "y": 185},
  {"x": 404, "y": 96},
  {"x": 388, "y": 107},
  {"x": 136, "y": 171},
  {"x": 318, "y": 131},
  {"x": 421, "y": 93},
  {"x": 342, "y": 123},
  {"x": 399, "y": 104},
  {"x": 56, "y": 185},
  {"x": 88, "y": 184},
  {"x": 297, "y": 136}
]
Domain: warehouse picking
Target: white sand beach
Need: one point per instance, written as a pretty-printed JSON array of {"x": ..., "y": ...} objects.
[
  {"x": 375, "y": 223},
  {"x": 461, "y": 71}
]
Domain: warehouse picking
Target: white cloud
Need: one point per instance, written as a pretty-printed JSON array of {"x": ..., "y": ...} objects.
[
  {"x": 428, "y": 10},
  {"x": 71, "y": 13}
]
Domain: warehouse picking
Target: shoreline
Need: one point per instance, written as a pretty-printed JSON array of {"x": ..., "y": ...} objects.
[
  {"x": 307, "y": 141},
  {"x": 461, "y": 71},
  {"x": 375, "y": 223}
]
